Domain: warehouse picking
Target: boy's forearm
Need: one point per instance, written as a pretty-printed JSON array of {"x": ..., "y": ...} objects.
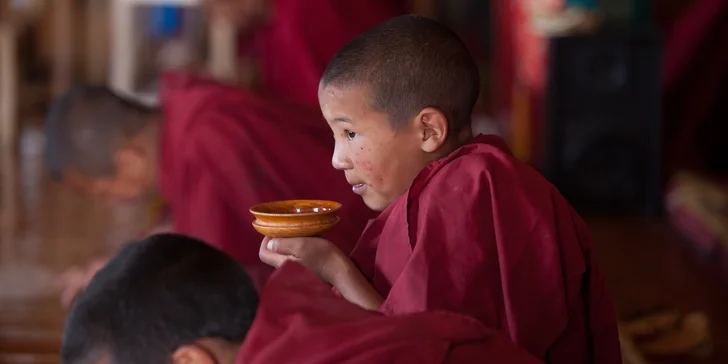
[{"x": 354, "y": 287}]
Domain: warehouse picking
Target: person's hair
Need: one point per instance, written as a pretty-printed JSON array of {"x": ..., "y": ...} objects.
[
  {"x": 87, "y": 125},
  {"x": 154, "y": 296},
  {"x": 409, "y": 63}
]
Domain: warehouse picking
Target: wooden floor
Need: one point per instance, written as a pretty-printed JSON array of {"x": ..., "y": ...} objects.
[
  {"x": 46, "y": 228},
  {"x": 647, "y": 265}
]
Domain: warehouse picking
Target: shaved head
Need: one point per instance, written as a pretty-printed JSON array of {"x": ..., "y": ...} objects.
[
  {"x": 409, "y": 63},
  {"x": 87, "y": 125}
]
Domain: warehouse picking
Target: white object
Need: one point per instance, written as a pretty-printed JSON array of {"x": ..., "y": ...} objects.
[
  {"x": 125, "y": 45},
  {"x": 223, "y": 65}
]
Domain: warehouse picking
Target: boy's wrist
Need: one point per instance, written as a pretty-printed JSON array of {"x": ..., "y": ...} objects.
[{"x": 342, "y": 269}]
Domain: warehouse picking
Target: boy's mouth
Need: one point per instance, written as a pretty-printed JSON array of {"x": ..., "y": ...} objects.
[{"x": 358, "y": 188}]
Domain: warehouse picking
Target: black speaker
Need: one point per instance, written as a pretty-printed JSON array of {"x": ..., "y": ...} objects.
[{"x": 602, "y": 132}]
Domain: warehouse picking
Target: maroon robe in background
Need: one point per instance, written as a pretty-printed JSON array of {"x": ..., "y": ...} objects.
[
  {"x": 302, "y": 36},
  {"x": 300, "y": 320},
  {"x": 224, "y": 149},
  {"x": 694, "y": 72},
  {"x": 482, "y": 234}
]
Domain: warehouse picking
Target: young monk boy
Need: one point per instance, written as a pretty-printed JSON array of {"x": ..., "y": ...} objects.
[
  {"x": 464, "y": 226},
  {"x": 173, "y": 299}
]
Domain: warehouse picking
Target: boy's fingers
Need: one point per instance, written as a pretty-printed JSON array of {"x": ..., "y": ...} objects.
[
  {"x": 69, "y": 294},
  {"x": 269, "y": 257},
  {"x": 75, "y": 280},
  {"x": 67, "y": 277},
  {"x": 94, "y": 268}
]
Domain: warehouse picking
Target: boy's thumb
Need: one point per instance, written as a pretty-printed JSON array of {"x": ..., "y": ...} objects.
[{"x": 281, "y": 246}]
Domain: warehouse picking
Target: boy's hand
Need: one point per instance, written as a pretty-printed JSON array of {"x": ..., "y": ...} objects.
[
  {"x": 326, "y": 260},
  {"x": 74, "y": 281},
  {"x": 319, "y": 255}
]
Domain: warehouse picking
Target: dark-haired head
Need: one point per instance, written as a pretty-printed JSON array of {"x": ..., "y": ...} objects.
[
  {"x": 397, "y": 97},
  {"x": 407, "y": 64},
  {"x": 90, "y": 129},
  {"x": 164, "y": 299}
]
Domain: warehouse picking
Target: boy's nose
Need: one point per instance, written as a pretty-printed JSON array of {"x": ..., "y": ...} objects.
[{"x": 339, "y": 160}]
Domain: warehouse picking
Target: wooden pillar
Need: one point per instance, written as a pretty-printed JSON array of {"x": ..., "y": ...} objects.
[
  {"x": 223, "y": 46},
  {"x": 8, "y": 86},
  {"x": 62, "y": 25},
  {"x": 97, "y": 40},
  {"x": 8, "y": 205}
]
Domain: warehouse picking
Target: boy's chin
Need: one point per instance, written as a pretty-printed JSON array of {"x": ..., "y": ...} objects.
[{"x": 376, "y": 203}]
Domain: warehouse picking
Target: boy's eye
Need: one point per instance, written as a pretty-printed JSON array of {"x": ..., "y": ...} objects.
[{"x": 350, "y": 134}]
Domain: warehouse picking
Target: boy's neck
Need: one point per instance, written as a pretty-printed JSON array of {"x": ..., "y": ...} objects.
[
  {"x": 465, "y": 135},
  {"x": 454, "y": 142}
]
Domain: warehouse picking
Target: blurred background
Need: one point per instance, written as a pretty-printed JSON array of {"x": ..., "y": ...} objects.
[{"x": 620, "y": 103}]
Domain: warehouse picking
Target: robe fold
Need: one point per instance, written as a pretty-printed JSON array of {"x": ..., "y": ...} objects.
[
  {"x": 224, "y": 149},
  {"x": 482, "y": 234},
  {"x": 300, "y": 320}
]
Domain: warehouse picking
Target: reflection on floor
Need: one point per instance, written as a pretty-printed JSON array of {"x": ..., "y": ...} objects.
[{"x": 46, "y": 228}]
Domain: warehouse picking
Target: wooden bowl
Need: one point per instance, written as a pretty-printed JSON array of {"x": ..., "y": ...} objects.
[{"x": 295, "y": 218}]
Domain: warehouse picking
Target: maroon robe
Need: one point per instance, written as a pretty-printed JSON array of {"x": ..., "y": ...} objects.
[
  {"x": 302, "y": 36},
  {"x": 482, "y": 234},
  {"x": 695, "y": 70},
  {"x": 301, "y": 321},
  {"x": 224, "y": 149}
]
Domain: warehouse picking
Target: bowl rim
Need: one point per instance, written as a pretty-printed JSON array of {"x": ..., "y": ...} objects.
[{"x": 336, "y": 207}]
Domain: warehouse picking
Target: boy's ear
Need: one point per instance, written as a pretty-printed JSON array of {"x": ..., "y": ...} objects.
[
  {"x": 192, "y": 354},
  {"x": 432, "y": 126}
]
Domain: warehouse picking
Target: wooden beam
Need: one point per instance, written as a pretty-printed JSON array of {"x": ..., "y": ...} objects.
[
  {"x": 8, "y": 85},
  {"x": 62, "y": 19}
]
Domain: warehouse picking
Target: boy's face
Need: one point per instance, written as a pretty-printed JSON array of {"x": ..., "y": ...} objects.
[
  {"x": 380, "y": 162},
  {"x": 134, "y": 175}
]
